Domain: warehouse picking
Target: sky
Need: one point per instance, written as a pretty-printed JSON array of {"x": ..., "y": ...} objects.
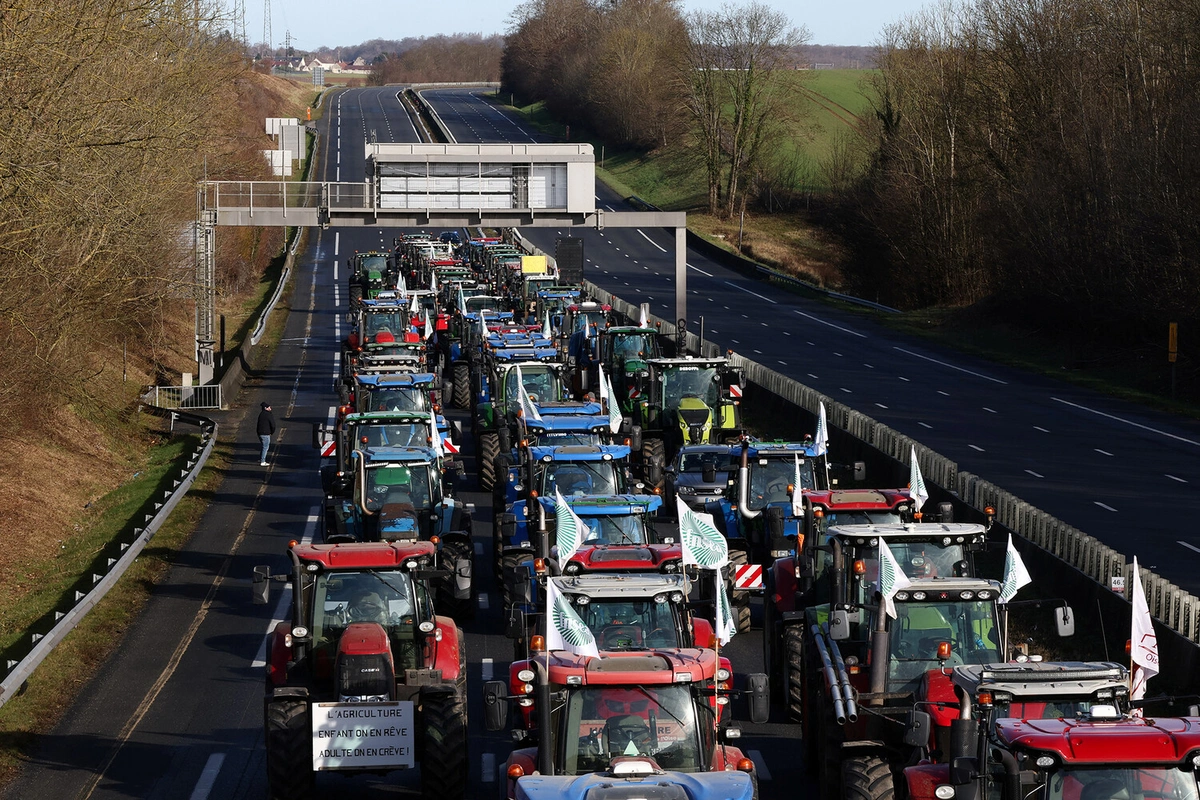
[{"x": 317, "y": 23}]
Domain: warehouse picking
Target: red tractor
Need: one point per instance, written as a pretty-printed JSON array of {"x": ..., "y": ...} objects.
[
  {"x": 364, "y": 677},
  {"x": 660, "y": 705}
]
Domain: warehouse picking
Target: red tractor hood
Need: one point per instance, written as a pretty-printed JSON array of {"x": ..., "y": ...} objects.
[
  {"x": 612, "y": 668},
  {"x": 364, "y": 554},
  {"x": 627, "y": 558},
  {"x": 1127, "y": 740}
]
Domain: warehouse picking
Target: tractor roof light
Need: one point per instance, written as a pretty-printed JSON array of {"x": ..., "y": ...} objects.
[
  {"x": 426, "y": 626},
  {"x": 984, "y": 699},
  {"x": 537, "y": 643},
  {"x": 573, "y": 568},
  {"x": 515, "y": 771},
  {"x": 943, "y": 651},
  {"x": 1045, "y": 762},
  {"x": 745, "y": 765},
  {"x": 582, "y": 600},
  {"x": 539, "y": 566},
  {"x": 860, "y": 567}
]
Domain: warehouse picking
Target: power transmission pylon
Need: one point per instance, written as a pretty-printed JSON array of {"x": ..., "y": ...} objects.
[{"x": 267, "y": 27}]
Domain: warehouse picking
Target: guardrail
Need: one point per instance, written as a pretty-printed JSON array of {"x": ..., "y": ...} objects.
[
  {"x": 195, "y": 397},
  {"x": 1076, "y": 561},
  {"x": 43, "y": 636}
]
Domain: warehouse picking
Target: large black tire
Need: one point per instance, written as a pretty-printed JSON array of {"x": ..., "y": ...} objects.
[
  {"x": 867, "y": 777},
  {"x": 355, "y": 293},
  {"x": 444, "y": 764},
  {"x": 739, "y": 602},
  {"x": 507, "y": 562},
  {"x": 462, "y": 384},
  {"x": 446, "y": 602},
  {"x": 289, "y": 750},
  {"x": 793, "y": 671},
  {"x": 489, "y": 448},
  {"x": 654, "y": 459}
]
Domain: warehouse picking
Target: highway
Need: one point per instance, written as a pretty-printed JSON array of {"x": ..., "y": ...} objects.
[
  {"x": 1128, "y": 475},
  {"x": 176, "y": 712}
]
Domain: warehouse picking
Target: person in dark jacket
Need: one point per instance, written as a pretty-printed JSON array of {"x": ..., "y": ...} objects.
[{"x": 266, "y": 427}]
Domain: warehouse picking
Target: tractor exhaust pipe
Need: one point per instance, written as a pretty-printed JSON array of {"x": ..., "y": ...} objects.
[
  {"x": 879, "y": 654},
  {"x": 744, "y": 484}
]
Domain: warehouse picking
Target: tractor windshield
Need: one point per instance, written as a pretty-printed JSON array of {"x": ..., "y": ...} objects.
[
  {"x": 580, "y": 477},
  {"x": 600, "y": 723},
  {"x": 680, "y": 381},
  {"x": 608, "y": 529},
  {"x": 541, "y": 384},
  {"x": 631, "y": 625},
  {"x": 772, "y": 479},
  {"x": 374, "y": 263},
  {"x": 377, "y": 322},
  {"x": 562, "y": 438},
  {"x": 413, "y": 434},
  {"x": 633, "y": 346},
  {"x": 398, "y": 485},
  {"x": 482, "y": 302},
  {"x": 697, "y": 462},
  {"x": 1122, "y": 783},
  {"x": 389, "y": 598},
  {"x": 967, "y": 627},
  {"x": 407, "y": 398}
]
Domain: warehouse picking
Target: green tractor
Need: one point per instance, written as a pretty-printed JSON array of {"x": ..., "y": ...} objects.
[{"x": 371, "y": 272}]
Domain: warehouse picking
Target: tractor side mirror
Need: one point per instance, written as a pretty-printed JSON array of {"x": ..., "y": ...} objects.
[
  {"x": 839, "y": 625},
  {"x": 946, "y": 512},
  {"x": 709, "y": 474},
  {"x": 758, "y": 697},
  {"x": 1064, "y": 621},
  {"x": 916, "y": 728},
  {"x": 860, "y": 471},
  {"x": 495, "y": 705},
  {"x": 963, "y": 770},
  {"x": 260, "y": 587}
]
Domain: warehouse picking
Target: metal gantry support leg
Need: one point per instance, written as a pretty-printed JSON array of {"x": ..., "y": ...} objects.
[
  {"x": 681, "y": 273},
  {"x": 206, "y": 293}
]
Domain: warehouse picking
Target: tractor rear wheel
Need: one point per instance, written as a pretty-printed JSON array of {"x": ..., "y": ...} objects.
[
  {"x": 289, "y": 750},
  {"x": 793, "y": 681},
  {"x": 355, "y": 293},
  {"x": 654, "y": 454},
  {"x": 509, "y": 562},
  {"x": 444, "y": 755},
  {"x": 867, "y": 778},
  {"x": 739, "y": 602},
  {"x": 489, "y": 448},
  {"x": 459, "y": 609},
  {"x": 462, "y": 384}
]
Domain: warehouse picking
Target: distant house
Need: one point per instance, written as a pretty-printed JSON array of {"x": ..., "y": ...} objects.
[
  {"x": 360, "y": 62},
  {"x": 303, "y": 65},
  {"x": 330, "y": 66}
]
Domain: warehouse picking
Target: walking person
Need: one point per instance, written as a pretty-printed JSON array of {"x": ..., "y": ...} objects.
[{"x": 266, "y": 427}]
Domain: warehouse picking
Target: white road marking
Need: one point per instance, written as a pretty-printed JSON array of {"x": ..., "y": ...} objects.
[
  {"x": 747, "y": 291},
  {"x": 784, "y": 363},
  {"x": 989, "y": 410},
  {"x": 487, "y": 767},
  {"x": 1102, "y": 452},
  {"x": 1188, "y": 546},
  {"x": 651, "y": 241},
  {"x": 702, "y": 272},
  {"x": 952, "y": 366},
  {"x": 1037, "y": 428},
  {"x": 976, "y": 447},
  {"x": 1105, "y": 507},
  {"x": 868, "y": 366},
  {"x": 906, "y": 380},
  {"x": 1126, "y": 421},
  {"x": 285, "y": 596},
  {"x": 943, "y": 394},
  {"x": 830, "y": 324},
  {"x": 485, "y": 668},
  {"x": 844, "y": 389},
  {"x": 483, "y": 601},
  {"x": 1035, "y": 474},
  {"x": 814, "y": 377},
  {"x": 881, "y": 405},
  {"x": 1172, "y": 477},
  {"x": 337, "y": 240},
  {"x": 760, "y": 765},
  {"x": 925, "y": 425},
  {"x": 208, "y": 776}
]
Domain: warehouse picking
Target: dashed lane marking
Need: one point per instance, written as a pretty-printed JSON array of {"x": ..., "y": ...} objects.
[{"x": 208, "y": 777}]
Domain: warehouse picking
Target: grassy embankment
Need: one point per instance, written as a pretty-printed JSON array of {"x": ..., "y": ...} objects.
[{"x": 82, "y": 485}]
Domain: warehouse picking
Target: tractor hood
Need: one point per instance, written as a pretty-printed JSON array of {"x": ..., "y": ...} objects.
[
  {"x": 1126, "y": 740},
  {"x": 626, "y": 558},
  {"x": 650, "y": 783}
]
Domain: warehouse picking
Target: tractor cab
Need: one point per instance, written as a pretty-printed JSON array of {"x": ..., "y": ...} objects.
[{"x": 408, "y": 392}]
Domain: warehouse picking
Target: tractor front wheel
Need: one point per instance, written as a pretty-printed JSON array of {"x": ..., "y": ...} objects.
[
  {"x": 458, "y": 608},
  {"x": 653, "y": 460},
  {"x": 793, "y": 681},
  {"x": 444, "y": 764},
  {"x": 289, "y": 750},
  {"x": 462, "y": 384},
  {"x": 867, "y": 778},
  {"x": 489, "y": 448}
]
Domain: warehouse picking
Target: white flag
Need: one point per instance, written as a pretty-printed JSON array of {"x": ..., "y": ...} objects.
[
  {"x": 643, "y": 318},
  {"x": 428, "y": 327},
  {"x": 546, "y": 332},
  {"x": 703, "y": 544},
  {"x": 605, "y": 395},
  {"x": 821, "y": 440},
  {"x": 615, "y": 418},
  {"x": 482, "y": 327},
  {"x": 916, "y": 483},
  {"x": 526, "y": 405},
  {"x": 1143, "y": 641},
  {"x": 891, "y": 578},
  {"x": 462, "y": 301},
  {"x": 433, "y": 283},
  {"x": 1015, "y": 574},
  {"x": 564, "y": 629},
  {"x": 413, "y": 308},
  {"x": 797, "y": 491},
  {"x": 725, "y": 627},
  {"x": 435, "y": 435},
  {"x": 572, "y": 531}
]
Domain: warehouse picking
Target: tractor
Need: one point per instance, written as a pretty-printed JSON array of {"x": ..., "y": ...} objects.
[
  {"x": 639, "y": 777},
  {"x": 370, "y": 273},
  {"x": 363, "y": 676}
]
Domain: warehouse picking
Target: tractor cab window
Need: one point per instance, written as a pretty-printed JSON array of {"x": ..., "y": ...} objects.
[
  {"x": 1165, "y": 782},
  {"x": 398, "y": 399},
  {"x": 698, "y": 462},
  {"x": 374, "y": 263},
  {"x": 968, "y": 627},
  {"x": 679, "y": 382},
  {"x": 771, "y": 480},
  {"x": 631, "y": 625},
  {"x": 616, "y": 530},
  {"x": 408, "y": 435},
  {"x": 1048, "y": 707},
  {"x": 916, "y": 560},
  {"x": 580, "y": 477},
  {"x": 629, "y": 346},
  {"x": 379, "y": 596},
  {"x": 541, "y": 384},
  {"x": 482, "y": 302},
  {"x": 394, "y": 484},
  {"x": 600, "y": 723}
]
